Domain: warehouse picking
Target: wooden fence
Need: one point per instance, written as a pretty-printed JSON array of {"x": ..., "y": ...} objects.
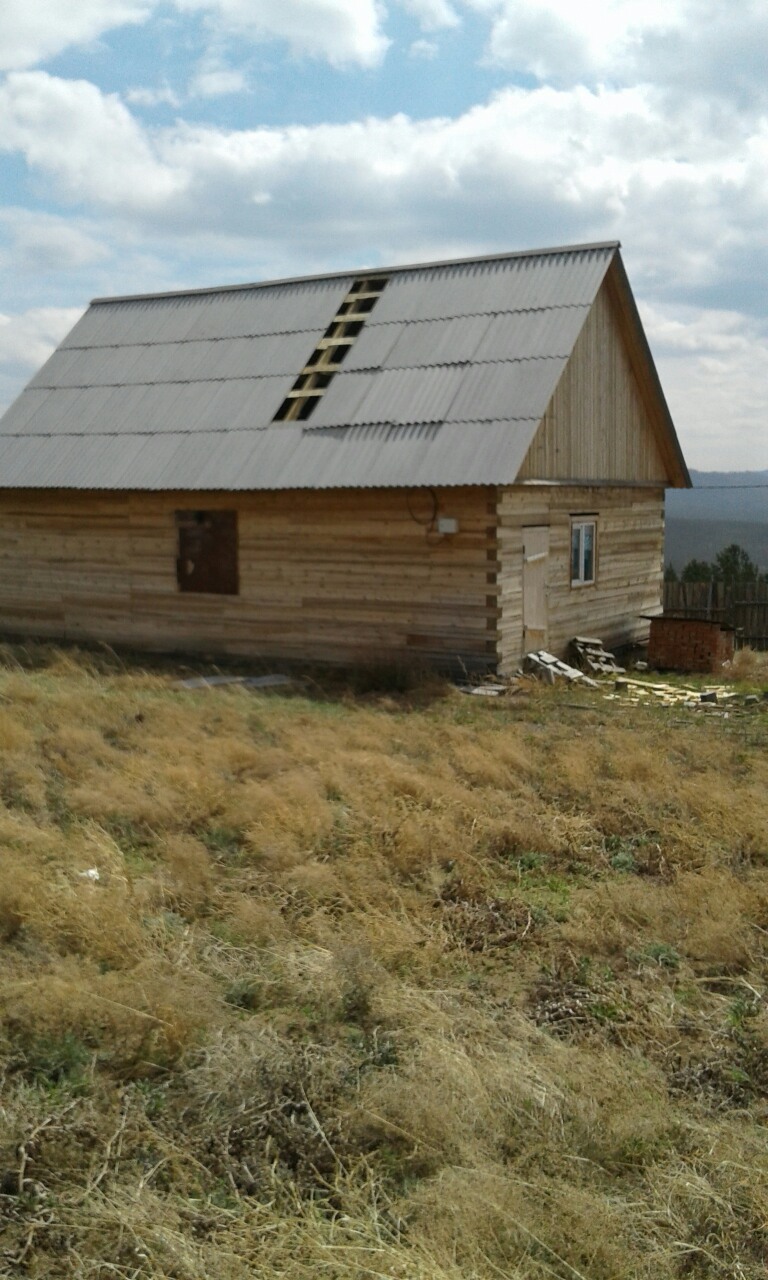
[{"x": 742, "y": 605}]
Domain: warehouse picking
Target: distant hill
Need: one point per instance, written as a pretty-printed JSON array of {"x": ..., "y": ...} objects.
[
  {"x": 723, "y": 507},
  {"x": 722, "y": 495}
]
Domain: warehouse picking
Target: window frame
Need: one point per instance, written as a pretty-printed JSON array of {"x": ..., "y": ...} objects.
[{"x": 579, "y": 524}]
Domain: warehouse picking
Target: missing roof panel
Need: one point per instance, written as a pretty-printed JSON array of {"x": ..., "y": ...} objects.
[{"x": 307, "y": 390}]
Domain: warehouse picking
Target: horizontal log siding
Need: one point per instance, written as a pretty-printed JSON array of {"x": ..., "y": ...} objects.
[
  {"x": 598, "y": 425},
  {"x": 630, "y": 544},
  {"x": 342, "y": 575}
]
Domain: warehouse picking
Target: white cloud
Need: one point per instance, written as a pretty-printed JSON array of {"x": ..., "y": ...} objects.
[
  {"x": 561, "y": 41},
  {"x": 342, "y": 32},
  {"x": 714, "y": 370},
  {"x": 529, "y": 165},
  {"x": 87, "y": 141},
  {"x": 432, "y": 14},
  {"x": 712, "y": 51},
  {"x": 44, "y": 243},
  {"x": 27, "y": 339},
  {"x": 684, "y": 47},
  {"x": 30, "y": 337},
  {"x": 213, "y": 80},
  {"x": 144, "y": 96},
  {"x": 426, "y": 49},
  {"x": 704, "y": 334},
  {"x": 32, "y": 32}
]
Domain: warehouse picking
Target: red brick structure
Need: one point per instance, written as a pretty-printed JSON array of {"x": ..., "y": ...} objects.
[{"x": 689, "y": 644}]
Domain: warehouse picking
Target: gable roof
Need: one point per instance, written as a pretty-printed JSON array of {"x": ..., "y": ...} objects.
[{"x": 445, "y": 382}]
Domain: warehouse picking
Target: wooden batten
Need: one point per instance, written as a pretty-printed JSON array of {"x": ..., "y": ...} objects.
[{"x": 340, "y": 576}]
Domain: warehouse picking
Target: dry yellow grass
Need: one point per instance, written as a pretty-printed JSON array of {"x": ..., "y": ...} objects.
[
  {"x": 390, "y": 985},
  {"x": 749, "y": 665}
]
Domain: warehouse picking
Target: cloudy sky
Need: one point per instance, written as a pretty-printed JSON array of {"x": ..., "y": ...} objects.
[{"x": 148, "y": 146}]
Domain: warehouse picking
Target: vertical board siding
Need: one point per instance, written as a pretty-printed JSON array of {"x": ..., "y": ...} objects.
[
  {"x": 630, "y": 545},
  {"x": 343, "y": 575},
  {"x": 597, "y": 425}
]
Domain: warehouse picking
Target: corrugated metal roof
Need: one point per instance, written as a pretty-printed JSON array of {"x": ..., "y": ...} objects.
[
  {"x": 527, "y": 335},
  {"x": 445, "y": 384},
  {"x": 442, "y": 393},
  {"x": 284, "y": 456},
  {"x": 514, "y": 389},
  {"x": 372, "y": 346},
  {"x": 393, "y": 395},
  {"x": 516, "y": 284},
  {"x": 199, "y": 360},
  {"x": 146, "y": 409},
  {"x": 224, "y": 314},
  {"x": 426, "y": 342}
]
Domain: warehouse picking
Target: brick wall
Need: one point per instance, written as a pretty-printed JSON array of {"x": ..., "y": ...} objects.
[{"x": 687, "y": 644}]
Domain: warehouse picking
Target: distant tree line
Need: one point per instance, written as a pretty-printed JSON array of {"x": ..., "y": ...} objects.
[{"x": 732, "y": 565}]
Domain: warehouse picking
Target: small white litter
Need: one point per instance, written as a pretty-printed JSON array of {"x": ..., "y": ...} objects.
[
  {"x": 248, "y": 682},
  {"x": 484, "y": 690},
  {"x": 91, "y": 874}
]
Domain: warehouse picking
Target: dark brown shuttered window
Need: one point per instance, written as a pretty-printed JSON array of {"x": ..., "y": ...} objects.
[{"x": 207, "y": 546}]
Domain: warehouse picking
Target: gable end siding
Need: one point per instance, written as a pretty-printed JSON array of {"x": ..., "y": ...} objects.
[{"x": 597, "y": 426}]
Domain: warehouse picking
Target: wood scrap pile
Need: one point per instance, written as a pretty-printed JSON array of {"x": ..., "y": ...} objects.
[
  {"x": 549, "y": 668},
  {"x": 716, "y": 698},
  {"x": 590, "y": 655}
]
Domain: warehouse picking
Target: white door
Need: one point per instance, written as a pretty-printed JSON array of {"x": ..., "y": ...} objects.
[{"x": 535, "y": 556}]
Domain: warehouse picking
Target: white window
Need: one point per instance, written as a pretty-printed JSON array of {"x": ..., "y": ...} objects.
[{"x": 582, "y": 552}]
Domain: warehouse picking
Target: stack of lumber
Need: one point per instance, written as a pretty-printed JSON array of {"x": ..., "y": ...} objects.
[
  {"x": 549, "y": 668},
  {"x": 590, "y": 655}
]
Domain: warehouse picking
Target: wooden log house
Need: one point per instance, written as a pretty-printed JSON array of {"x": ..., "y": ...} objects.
[{"x": 458, "y": 461}]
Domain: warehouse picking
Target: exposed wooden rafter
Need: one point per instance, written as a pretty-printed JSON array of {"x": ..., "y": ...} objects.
[{"x": 331, "y": 350}]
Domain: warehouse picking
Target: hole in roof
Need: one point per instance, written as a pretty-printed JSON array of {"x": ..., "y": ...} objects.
[{"x": 308, "y": 389}]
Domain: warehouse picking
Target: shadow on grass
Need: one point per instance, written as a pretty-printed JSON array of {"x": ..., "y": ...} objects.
[{"x": 408, "y": 682}]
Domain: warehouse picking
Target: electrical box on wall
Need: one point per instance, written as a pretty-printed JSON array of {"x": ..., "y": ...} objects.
[{"x": 447, "y": 524}]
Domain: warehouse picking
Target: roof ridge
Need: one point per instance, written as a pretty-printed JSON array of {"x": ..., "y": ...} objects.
[{"x": 360, "y": 273}]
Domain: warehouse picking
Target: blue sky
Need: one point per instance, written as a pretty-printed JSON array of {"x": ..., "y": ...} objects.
[{"x": 148, "y": 146}]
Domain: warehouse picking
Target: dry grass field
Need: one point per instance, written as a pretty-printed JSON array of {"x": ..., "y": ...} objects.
[{"x": 378, "y": 983}]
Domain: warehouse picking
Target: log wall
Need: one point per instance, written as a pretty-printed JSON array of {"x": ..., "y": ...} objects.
[
  {"x": 629, "y": 564},
  {"x": 341, "y": 575}
]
